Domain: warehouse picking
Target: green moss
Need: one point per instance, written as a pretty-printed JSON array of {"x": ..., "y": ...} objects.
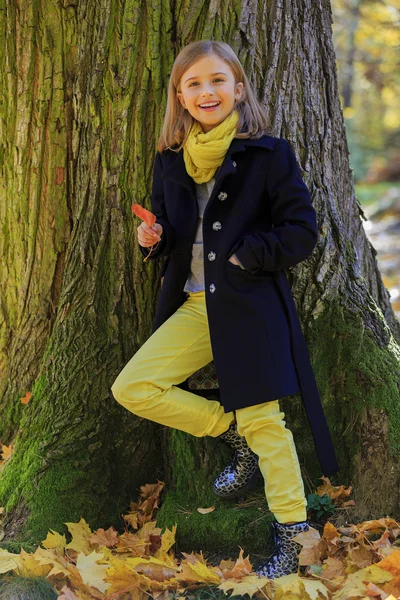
[
  {"x": 15, "y": 547},
  {"x": 194, "y": 464},
  {"x": 353, "y": 372},
  {"x": 225, "y": 530}
]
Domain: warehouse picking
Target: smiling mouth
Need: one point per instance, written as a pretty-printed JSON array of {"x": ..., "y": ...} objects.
[{"x": 209, "y": 105}]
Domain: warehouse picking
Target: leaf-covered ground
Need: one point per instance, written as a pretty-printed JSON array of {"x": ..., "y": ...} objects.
[{"x": 341, "y": 563}]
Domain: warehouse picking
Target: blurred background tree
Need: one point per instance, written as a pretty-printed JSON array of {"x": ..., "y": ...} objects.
[{"x": 366, "y": 36}]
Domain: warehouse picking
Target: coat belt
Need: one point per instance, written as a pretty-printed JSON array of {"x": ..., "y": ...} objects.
[{"x": 308, "y": 386}]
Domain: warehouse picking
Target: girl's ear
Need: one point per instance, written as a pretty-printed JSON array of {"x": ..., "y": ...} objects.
[
  {"x": 239, "y": 90},
  {"x": 179, "y": 94}
]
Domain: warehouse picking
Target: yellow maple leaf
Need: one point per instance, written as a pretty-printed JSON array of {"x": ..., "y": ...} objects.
[
  {"x": 91, "y": 572},
  {"x": 167, "y": 539},
  {"x": 54, "y": 540},
  {"x": 293, "y": 586},
  {"x": 152, "y": 567},
  {"x": 47, "y": 557},
  {"x": 29, "y": 566},
  {"x": 8, "y": 561},
  {"x": 197, "y": 572},
  {"x": 122, "y": 577},
  {"x": 148, "y": 529},
  {"x": 356, "y": 583},
  {"x": 80, "y": 536},
  {"x": 248, "y": 585}
]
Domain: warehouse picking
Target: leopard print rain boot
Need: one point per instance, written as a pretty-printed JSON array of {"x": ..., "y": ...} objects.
[
  {"x": 285, "y": 559},
  {"x": 242, "y": 472}
]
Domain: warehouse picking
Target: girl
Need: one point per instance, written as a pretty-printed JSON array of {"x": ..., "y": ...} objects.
[{"x": 232, "y": 214}]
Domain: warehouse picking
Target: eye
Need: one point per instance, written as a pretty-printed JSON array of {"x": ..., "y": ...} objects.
[{"x": 216, "y": 79}]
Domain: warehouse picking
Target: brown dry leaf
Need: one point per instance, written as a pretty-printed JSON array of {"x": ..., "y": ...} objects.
[
  {"x": 377, "y": 524},
  {"x": 333, "y": 568},
  {"x": 338, "y": 492},
  {"x": 142, "y": 512},
  {"x": 101, "y": 538},
  {"x": 314, "y": 548},
  {"x": 194, "y": 557},
  {"x": 361, "y": 556},
  {"x": 131, "y": 543},
  {"x": 226, "y": 565},
  {"x": 204, "y": 511},
  {"x": 26, "y": 398}
]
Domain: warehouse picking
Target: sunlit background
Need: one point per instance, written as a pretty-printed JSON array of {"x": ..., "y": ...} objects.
[{"x": 366, "y": 35}]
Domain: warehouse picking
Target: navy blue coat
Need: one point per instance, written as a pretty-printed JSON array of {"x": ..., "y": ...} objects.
[{"x": 259, "y": 209}]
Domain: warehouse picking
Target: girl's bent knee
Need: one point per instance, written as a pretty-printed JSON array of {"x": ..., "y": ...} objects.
[
  {"x": 117, "y": 390},
  {"x": 134, "y": 395}
]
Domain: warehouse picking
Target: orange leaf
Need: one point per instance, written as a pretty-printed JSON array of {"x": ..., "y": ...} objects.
[
  {"x": 144, "y": 214},
  {"x": 26, "y": 398},
  {"x": 6, "y": 451},
  {"x": 334, "y": 492},
  {"x": 237, "y": 570}
]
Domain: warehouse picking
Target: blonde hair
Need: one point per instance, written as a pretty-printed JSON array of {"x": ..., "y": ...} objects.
[{"x": 253, "y": 122}]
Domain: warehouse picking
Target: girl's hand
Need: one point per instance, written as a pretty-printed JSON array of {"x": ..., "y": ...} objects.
[
  {"x": 233, "y": 260},
  {"x": 148, "y": 236}
]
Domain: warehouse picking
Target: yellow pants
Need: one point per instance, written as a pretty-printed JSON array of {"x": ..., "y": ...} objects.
[{"x": 147, "y": 386}]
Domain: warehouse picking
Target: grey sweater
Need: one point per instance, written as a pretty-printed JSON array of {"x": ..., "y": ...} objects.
[{"x": 195, "y": 281}]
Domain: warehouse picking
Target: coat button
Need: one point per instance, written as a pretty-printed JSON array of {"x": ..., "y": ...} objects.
[
  {"x": 212, "y": 288},
  {"x": 234, "y": 164},
  {"x": 222, "y": 196},
  {"x": 211, "y": 256},
  {"x": 217, "y": 226}
]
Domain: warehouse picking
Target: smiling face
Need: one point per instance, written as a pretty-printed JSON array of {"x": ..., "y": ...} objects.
[{"x": 209, "y": 80}]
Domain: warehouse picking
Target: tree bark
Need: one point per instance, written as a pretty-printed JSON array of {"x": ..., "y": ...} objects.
[{"x": 84, "y": 92}]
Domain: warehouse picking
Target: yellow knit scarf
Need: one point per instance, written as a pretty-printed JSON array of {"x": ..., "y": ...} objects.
[{"x": 203, "y": 152}]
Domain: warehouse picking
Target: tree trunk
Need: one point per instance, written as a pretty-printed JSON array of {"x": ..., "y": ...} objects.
[{"x": 84, "y": 93}]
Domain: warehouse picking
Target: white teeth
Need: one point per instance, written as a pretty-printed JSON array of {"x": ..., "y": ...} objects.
[{"x": 209, "y": 104}]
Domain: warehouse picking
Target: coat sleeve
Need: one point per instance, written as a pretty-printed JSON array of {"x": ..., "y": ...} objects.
[
  {"x": 295, "y": 231},
  {"x": 158, "y": 208}
]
